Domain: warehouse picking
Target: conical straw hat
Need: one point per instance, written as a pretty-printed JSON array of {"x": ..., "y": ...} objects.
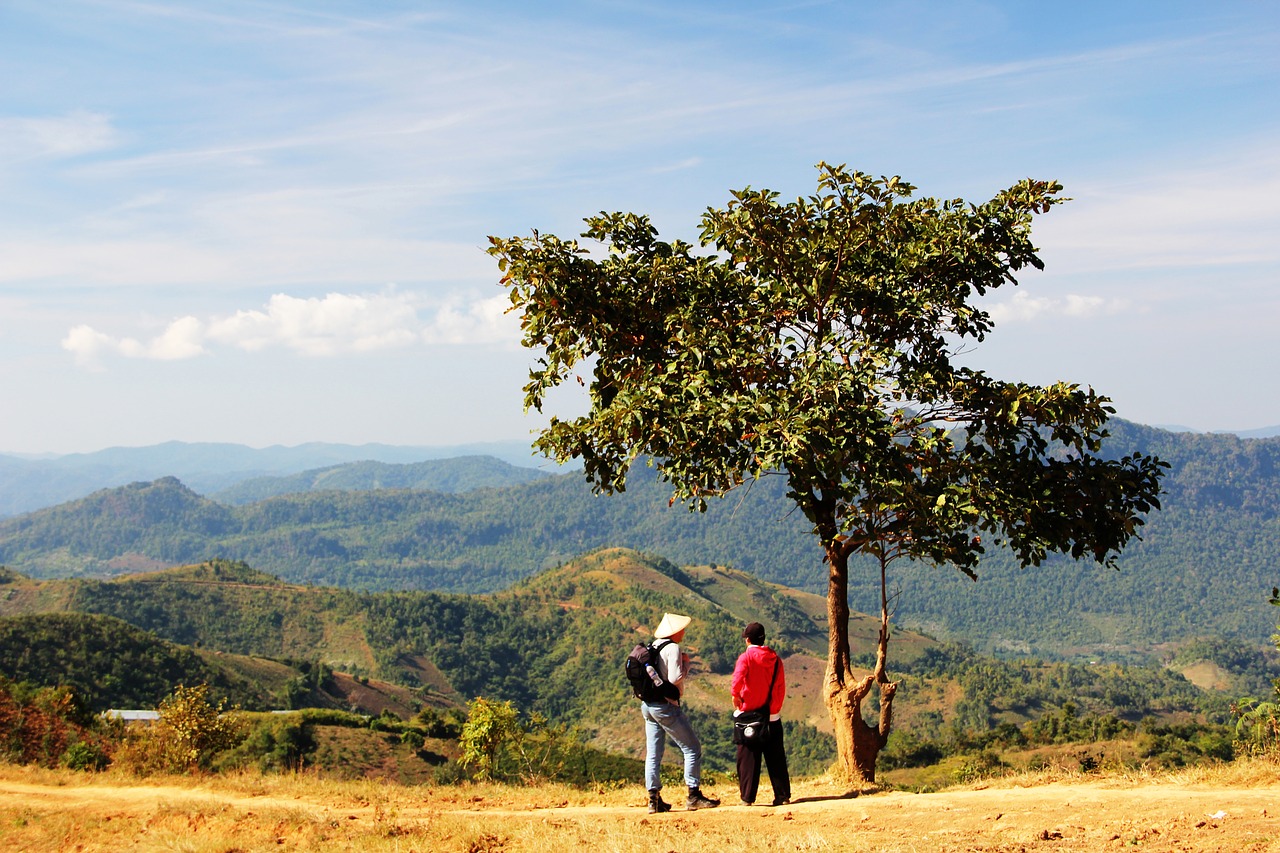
[{"x": 672, "y": 623}]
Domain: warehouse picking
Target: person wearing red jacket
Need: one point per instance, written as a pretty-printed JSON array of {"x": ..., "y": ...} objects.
[{"x": 751, "y": 678}]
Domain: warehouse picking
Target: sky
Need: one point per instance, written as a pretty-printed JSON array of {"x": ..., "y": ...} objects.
[{"x": 265, "y": 223}]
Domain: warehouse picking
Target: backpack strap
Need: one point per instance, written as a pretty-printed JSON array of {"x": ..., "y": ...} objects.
[{"x": 669, "y": 690}]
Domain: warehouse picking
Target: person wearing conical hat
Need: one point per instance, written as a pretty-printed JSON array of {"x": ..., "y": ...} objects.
[{"x": 665, "y": 718}]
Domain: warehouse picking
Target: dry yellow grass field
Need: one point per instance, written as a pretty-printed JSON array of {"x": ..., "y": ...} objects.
[{"x": 1233, "y": 807}]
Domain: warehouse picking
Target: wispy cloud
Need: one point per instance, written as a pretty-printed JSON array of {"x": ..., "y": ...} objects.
[
  {"x": 1218, "y": 211},
  {"x": 335, "y": 324},
  {"x": 30, "y": 138},
  {"x": 1023, "y": 307}
]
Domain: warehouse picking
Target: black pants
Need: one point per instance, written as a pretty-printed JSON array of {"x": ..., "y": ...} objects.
[{"x": 775, "y": 758}]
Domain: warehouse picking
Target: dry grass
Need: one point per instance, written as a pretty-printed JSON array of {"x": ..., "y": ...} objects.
[{"x": 44, "y": 810}]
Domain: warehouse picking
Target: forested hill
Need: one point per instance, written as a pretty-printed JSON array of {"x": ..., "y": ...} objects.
[
  {"x": 552, "y": 643},
  {"x": 463, "y": 474},
  {"x": 1205, "y": 569}
]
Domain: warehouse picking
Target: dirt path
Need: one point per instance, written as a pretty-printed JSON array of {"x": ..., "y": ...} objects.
[{"x": 1063, "y": 816}]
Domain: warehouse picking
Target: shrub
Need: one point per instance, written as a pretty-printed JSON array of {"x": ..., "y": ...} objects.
[
  {"x": 274, "y": 742},
  {"x": 37, "y": 725},
  {"x": 1257, "y": 727},
  {"x": 85, "y": 756},
  {"x": 333, "y": 717},
  {"x": 501, "y": 746},
  {"x": 190, "y": 732}
]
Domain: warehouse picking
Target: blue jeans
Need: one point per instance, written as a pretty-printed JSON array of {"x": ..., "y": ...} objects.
[{"x": 661, "y": 720}]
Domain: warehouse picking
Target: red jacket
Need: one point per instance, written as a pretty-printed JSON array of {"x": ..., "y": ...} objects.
[{"x": 751, "y": 680}]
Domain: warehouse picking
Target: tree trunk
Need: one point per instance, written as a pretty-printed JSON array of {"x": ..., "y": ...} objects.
[{"x": 857, "y": 743}]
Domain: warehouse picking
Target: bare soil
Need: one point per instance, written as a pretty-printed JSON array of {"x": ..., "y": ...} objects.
[{"x": 42, "y": 811}]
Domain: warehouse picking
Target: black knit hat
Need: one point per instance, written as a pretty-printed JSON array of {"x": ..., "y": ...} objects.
[{"x": 755, "y": 633}]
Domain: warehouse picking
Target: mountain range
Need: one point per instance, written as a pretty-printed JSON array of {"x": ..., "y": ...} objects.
[
  {"x": 1204, "y": 569},
  {"x": 32, "y": 482}
]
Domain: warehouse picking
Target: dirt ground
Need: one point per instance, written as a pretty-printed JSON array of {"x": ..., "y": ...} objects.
[{"x": 1082, "y": 814}]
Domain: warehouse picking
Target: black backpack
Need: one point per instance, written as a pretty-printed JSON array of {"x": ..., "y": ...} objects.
[{"x": 644, "y": 678}]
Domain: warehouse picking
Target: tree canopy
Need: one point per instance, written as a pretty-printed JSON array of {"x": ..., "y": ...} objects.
[{"x": 817, "y": 340}]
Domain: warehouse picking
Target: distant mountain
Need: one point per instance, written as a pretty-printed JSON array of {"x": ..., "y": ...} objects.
[
  {"x": 1264, "y": 432},
  {"x": 28, "y": 484},
  {"x": 1261, "y": 432},
  {"x": 441, "y": 475},
  {"x": 1204, "y": 569}
]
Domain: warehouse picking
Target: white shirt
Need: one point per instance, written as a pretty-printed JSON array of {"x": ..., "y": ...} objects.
[{"x": 673, "y": 667}]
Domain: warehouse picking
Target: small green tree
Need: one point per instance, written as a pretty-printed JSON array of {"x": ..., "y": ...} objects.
[
  {"x": 191, "y": 729},
  {"x": 1257, "y": 721},
  {"x": 816, "y": 342},
  {"x": 501, "y": 746},
  {"x": 492, "y": 732}
]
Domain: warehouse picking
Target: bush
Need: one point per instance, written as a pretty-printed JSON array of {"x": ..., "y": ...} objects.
[
  {"x": 432, "y": 723},
  {"x": 190, "y": 732},
  {"x": 333, "y": 717},
  {"x": 1257, "y": 727},
  {"x": 499, "y": 745},
  {"x": 85, "y": 756},
  {"x": 979, "y": 766},
  {"x": 38, "y": 725},
  {"x": 276, "y": 742}
]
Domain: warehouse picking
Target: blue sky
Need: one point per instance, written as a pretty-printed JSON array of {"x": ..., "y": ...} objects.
[{"x": 265, "y": 223}]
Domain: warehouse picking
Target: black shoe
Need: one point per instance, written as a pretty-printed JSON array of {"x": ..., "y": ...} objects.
[
  {"x": 781, "y": 801},
  {"x": 656, "y": 805},
  {"x": 698, "y": 801}
]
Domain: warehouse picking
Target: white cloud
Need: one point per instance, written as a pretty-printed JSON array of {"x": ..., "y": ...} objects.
[
  {"x": 1022, "y": 307},
  {"x": 88, "y": 345},
  {"x": 1218, "y": 211},
  {"x": 60, "y": 136},
  {"x": 334, "y": 324},
  {"x": 182, "y": 339},
  {"x": 479, "y": 322}
]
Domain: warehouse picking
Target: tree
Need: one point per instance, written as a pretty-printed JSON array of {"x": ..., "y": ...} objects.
[
  {"x": 191, "y": 729},
  {"x": 499, "y": 745},
  {"x": 818, "y": 342},
  {"x": 1258, "y": 722}
]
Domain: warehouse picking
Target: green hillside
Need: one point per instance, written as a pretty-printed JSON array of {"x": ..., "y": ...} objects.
[
  {"x": 111, "y": 663},
  {"x": 1204, "y": 568},
  {"x": 554, "y": 643}
]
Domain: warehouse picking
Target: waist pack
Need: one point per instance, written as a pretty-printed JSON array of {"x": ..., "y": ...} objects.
[{"x": 751, "y": 727}]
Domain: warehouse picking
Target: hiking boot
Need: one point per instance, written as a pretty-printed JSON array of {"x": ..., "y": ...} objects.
[
  {"x": 656, "y": 805},
  {"x": 698, "y": 801}
]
